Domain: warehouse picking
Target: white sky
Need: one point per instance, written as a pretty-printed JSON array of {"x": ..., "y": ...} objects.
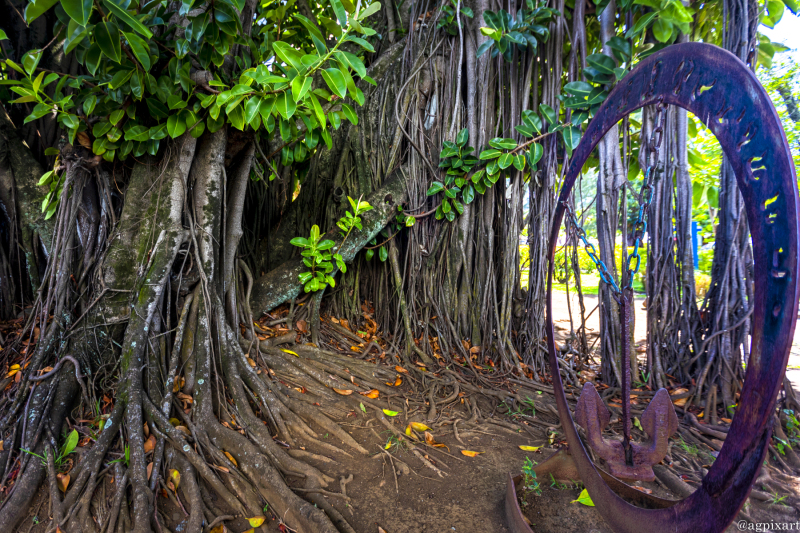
[{"x": 787, "y": 32}]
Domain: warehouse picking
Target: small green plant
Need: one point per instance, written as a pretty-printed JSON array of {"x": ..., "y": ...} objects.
[
  {"x": 777, "y": 500},
  {"x": 317, "y": 254},
  {"x": 67, "y": 448},
  {"x": 792, "y": 426},
  {"x": 394, "y": 444},
  {"x": 448, "y": 19},
  {"x": 529, "y": 482},
  {"x": 125, "y": 458},
  {"x": 691, "y": 449}
]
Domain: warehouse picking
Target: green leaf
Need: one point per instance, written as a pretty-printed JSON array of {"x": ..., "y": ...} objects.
[
  {"x": 383, "y": 254},
  {"x": 549, "y": 114},
  {"x": 72, "y": 442},
  {"x": 662, "y": 29},
  {"x": 364, "y": 44},
  {"x": 519, "y": 161},
  {"x": 139, "y": 48},
  {"x": 584, "y": 499},
  {"x": 503, "y": 143},
  {"x": 572, "y": 136},
  {"x": 505, "y": 161},
  {"x": 175, "y": 126},
  {"x": 436, "y": 187},
  {"x": 34, "y": 11},
  {"x": 387, "y": 412},
  {"x": 286, "y": 105},
  {"x": 3, "y": 35},
  {"x": 107, "y": 38},
  {"x": 641, "y": 24},
  {"x": 335, "y": 81},
  {"x": 300, "y": 86},
  {"x": 127, "y": 18},
  {"x": 535, "y": 153},
  {"x": 318, "y": 111},
  {"x": 340, "y": 12},
  {"x": 374, "y": 7},
  {"x": 31, "y": 60},
  {"x": 251, "y": 109},
  {"x": 288, "y": 54},
  {"x": 578, "y": 88},
  {"x": 601, "y": 62},
  {"x": 462, "y": 137},
  {"x": 350, "y": 114}
]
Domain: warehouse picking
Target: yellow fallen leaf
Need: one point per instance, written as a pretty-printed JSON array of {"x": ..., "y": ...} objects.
[
  {"x": 419, "y": 426},
  {"x": 231, "y": 459},
  {"x": 219, "y": 529},
  {"x": 469, "y": 453},
  {"x": 175, "y": 422},
  {"x": 13, "y": 369},
  {"x": 175, "y": 477},
  {"x": 289, "y": 352},
  {"x": 388, "y": 445},
  {"x": 62, "y": 480},
  {"x": 584, "y": 498},
  {"x": 343, "y": 392},
  {"x": 372, "y": 394},
  {"x": 251, "y": 362},
  {"x": 401, "y": 369},
  {"x": 398, "y": 381},
  {"x": 408, "y": 430},
  {"x": 387, "y": 412},
  {"x": 529, "y": 448},
  {"x": 256, "y": 520}
]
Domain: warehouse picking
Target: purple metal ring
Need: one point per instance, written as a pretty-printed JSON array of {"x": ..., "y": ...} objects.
[{"x": 722, "y": 92}]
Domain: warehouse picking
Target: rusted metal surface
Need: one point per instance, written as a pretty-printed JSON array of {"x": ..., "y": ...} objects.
[
  {"x": 722, "y": 92},
  {"x": 658, "y": 421},
  {"x": 516, "y": 524}
]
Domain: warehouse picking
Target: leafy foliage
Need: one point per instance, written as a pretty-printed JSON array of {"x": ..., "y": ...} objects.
[{"x": 316, "y": 254}]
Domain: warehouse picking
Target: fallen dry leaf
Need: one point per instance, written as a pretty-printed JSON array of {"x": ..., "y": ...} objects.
[
  {"x": 62, "y": 480},
  {"x": 682, "y": 401},
  {"x": 231, "y": 459},
  {"x": 343, "y": 392},
  {"x": 372, "y": 394},
  {"x": 419, "y": 426},
  {"x": 149, "y": 470},
  {"x": 529, "y": 448},
  {"x": 469, "y": 453},
  {"x": 398, "y": 381},
  {"x": 146, "y": 430},
  {"x": 150, "y": 444},
  {"x": 219, "y": 529},
  {"x": 251, "y": 362},
  {"x": 179, "y": 383},
  {"x": 431, "y": 442},
  {"x": 642, "y": 489},
  {"x": 184, "y": 430},
  {"x": 289, "y": 352},
  {"x": 175, "y": 477},
  {"x": 13, "y": 369},
  {"x": 401, "y": 369}
]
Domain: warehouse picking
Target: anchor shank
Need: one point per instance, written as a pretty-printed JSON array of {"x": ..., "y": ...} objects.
[{"x": 626, "y": 324}]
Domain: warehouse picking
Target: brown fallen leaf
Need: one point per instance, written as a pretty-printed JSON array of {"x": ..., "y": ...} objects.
[
  {"x": 372, "y": 394},
  {"x": 149, "y": 470},
  {"x": 62, "y": 480},
  {"x": 150, "y": 444},
  {"x": 469, "y": 453},
  {"x": 343, "y": 392},
  {"x": 146, "y": 430},
  {"x": 431, "y": 442},
  {"x": 251, "y": 362},
  {"x": 184, "y": 430},
  {"x": 401, "y": 369},
  {"x": 179, "y": 383},
  {"x": 219, "y": 529}
]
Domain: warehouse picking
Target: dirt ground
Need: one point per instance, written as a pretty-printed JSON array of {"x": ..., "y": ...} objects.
[{"x": 392, "y": 491}]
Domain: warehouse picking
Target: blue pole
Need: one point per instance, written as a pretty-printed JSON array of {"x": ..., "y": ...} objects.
[{"x": 694, "y": 246}]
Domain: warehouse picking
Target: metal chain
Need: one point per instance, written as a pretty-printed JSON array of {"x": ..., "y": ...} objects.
[{"x": 640, "y": 228}]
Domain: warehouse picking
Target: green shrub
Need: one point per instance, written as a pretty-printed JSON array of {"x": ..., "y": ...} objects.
[{"x": 702, "y": 282}]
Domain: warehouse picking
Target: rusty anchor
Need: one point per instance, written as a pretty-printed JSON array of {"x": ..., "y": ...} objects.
[
  {"x": 634, "y": 462},
  {"x": 725, "y": 95}
]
